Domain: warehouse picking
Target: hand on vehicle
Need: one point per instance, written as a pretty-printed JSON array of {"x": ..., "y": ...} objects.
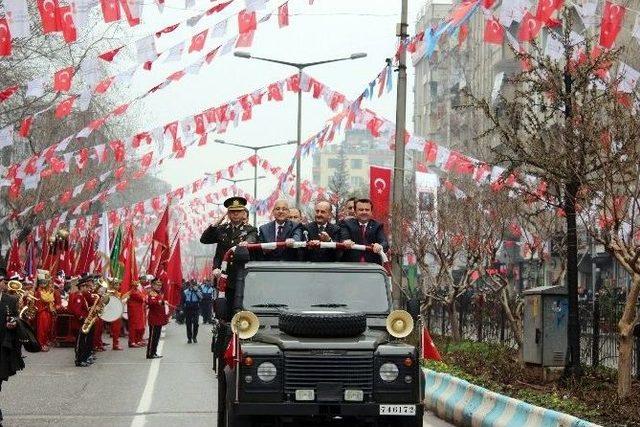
[
  {"x": 216, "y": 272},
  {"x": 243, "y": 244},
  {"x": 348, "y": 243},
  {"x": 313, "y": 244},
  {"x": 289, "y": 242},
  {"x": 377, "y": 248},
  {"x": 324, "y": 236}
]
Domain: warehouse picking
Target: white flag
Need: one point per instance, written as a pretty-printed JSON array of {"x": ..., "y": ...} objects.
[
  {"x": 104, "y": 249},
  {"x": 146, "y": 49},
  {"x": 18, "y": 18}
]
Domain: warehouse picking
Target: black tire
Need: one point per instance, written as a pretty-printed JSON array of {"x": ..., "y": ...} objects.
[{"x": 320, "y": 325}]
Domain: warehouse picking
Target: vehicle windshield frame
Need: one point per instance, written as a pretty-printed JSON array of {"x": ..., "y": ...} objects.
[{"x": 293, "y": 269}]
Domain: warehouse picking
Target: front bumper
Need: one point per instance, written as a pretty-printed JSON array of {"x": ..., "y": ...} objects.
[{"x": 291, "y": 409}]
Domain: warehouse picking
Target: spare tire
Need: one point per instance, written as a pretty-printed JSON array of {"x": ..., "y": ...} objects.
[{"x": 322, "y": 324}]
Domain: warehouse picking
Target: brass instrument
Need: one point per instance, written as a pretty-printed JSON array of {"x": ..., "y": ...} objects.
[
  {"x": 94, "y": 312},
  {"x": 29, "y": 309}
]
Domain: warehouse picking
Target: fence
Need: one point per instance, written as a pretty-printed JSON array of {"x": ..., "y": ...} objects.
[{"x": 484, "y": 321}]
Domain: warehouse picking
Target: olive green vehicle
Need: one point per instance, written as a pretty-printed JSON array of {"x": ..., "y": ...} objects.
[{"x": 317, "y": 349}]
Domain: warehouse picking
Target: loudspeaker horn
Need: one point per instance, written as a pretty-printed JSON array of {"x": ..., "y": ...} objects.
[
  {"x": 399, "y": 323},
  {"x": 245, "y": 324}
]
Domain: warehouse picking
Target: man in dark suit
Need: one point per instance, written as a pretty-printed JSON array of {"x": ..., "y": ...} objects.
[
  {"x": 362, "y": 230},
  {"x": 321, "y": 230},
  {"x": 10, "y": 350},
  {"x": 281, "y": 229}
]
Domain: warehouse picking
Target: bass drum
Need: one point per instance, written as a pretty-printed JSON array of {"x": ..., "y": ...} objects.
[{"x": 112, "y": 310}]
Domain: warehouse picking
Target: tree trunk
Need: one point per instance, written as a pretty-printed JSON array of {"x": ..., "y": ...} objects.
[
  {"x": 453, "y": 318},
  {"x": 625, "y": 327},
  {"x": 573, "y": 327}
]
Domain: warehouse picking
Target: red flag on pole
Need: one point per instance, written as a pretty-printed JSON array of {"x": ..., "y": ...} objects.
[
  {"x": 429, "y": 350},
  {"x": 380, "y": 192},
  {"x": 13, "y": 264},
  {"x": 130, "y": 265},
  {"x": 160, "y": 247},
  {"x": 174, "y": 276},
  {"x": 612, "y": 15}
]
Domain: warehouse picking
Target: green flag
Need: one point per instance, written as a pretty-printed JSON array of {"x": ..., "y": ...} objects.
[{"x": 116, "y": 267}]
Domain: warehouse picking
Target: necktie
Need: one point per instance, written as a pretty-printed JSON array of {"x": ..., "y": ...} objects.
[
  {"x": 363, "y": 234},
  {"x": 279, "y": 234},
  {"x": 321, "y": 229}
]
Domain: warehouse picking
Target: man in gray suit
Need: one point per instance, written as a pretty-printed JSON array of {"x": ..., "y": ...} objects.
[{"x": 281, "y": 229}]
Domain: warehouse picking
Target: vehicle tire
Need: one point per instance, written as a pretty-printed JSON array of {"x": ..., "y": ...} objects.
[{"x": 319, "y": 325}]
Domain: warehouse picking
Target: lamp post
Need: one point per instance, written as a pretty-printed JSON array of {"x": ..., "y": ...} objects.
[
  {"x": 300, "y": 66},
  {"x": 255, "y": 167}
]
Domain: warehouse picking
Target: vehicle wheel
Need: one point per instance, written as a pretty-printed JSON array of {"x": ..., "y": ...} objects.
[{"x": 318, "y": 325}]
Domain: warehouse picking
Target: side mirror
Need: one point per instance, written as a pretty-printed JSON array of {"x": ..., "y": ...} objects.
[{"x": 413, "y": 307}]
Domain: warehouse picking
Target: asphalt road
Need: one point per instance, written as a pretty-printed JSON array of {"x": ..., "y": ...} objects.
[{"x": 122, "y": 388}]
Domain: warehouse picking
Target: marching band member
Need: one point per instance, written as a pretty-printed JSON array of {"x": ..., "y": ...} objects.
[
  {"x": 45, "y": 306},
  {"x": 80, "y": 305},
  {"x": 135, "y": 310},
  {"x": 157, "y": 317},
  {"x": 116, "y": 326}
]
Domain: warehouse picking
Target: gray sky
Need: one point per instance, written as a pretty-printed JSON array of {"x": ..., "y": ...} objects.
[{"x": 328, "y": 29}]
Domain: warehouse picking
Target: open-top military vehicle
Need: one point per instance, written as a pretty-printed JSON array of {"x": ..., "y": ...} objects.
[{"x": 319, "y": 342}]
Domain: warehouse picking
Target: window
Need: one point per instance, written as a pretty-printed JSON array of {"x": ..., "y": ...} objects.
[
  {"x": 356, "y": 163},
  {"x": 333, "y": 163},
  {"x": 357, "y": 181}
]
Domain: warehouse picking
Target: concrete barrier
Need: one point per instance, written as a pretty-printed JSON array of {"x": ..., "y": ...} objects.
[{"x": 464, "y": 404}]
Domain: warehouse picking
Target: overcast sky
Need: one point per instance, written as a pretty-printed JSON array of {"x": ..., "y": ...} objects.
[{"x": 328, "y": 29}]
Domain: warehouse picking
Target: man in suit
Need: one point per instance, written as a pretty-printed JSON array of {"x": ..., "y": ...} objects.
[
  {"x": 281, "y": 229},
  {"x": 321, "y": 230},
  {"x": 363, "y": 230}
]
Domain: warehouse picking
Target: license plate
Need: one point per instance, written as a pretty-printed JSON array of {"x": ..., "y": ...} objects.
[{"x": 407, "y": 410}]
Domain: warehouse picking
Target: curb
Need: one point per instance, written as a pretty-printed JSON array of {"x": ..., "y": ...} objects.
[{"x": 464, "y": 404}]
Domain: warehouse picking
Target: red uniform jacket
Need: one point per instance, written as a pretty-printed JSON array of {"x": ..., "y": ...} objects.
[
  {"x": 157, "y": 315},
  {"x": 78, "y": 305},
  {"x": 135, "y": 310}
]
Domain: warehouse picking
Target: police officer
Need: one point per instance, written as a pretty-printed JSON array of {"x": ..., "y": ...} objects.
[
  {"x": 192, "y": 297},
  {"x": 206, "y": 304}
]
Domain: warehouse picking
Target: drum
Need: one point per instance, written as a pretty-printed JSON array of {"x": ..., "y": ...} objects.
[{"x": 112, "y": 310}]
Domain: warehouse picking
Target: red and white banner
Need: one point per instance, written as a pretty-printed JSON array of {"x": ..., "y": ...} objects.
[{"x": 380, "y": 192}]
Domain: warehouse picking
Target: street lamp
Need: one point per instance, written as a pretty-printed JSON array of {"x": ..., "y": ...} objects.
[
  {"x": 300, "y": 66},
  {"x": 255, "y": 167}
]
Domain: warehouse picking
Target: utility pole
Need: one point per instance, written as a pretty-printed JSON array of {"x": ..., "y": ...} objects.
[{"x": 398, "y": 163}]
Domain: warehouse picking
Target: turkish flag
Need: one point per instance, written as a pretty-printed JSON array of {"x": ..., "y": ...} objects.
[
  {"x": 117, "y": 146},
  {"x": 25, "y": 126},
  {"x": 160, "y": 246},
  {"x": 283, "y": 15},
  {"x": 5, "y": 38},
  {"x": 130, "y": 267},
  {"x": 174, "y": 276},
  {"x": 545, "y": 10},
  {"x": 612, "y": 15},
  {"x": 274, "y": 92},
  {"x": 145, "y": 162},
  {"x": 110, "y": 10},
  {"x": 245, "y": 39},
  {"x": 493, "y": 32},
  {"x": 64, "y": 16},
  {"x": 380, "y": 191},
  {"x": 104, "y": 85},
  {"x": 246, "y": 21},
  {"x": 7, "y": 92},
  {"x": 48, "y": 14},
  {"x": 108, "y": 56},
  {"x": 64, "y": 108},
  {"x": 62, "y": 79},
  {"x": 197, "y": 42},
  {"x": 132, "y": 13},
  {"x": 66, "y": 196},
  {"x": 429, "y": 349},
  {"x": 529, "y": 28},
  {"x": 374, "y": 126},
  {"x": 13, "y": 263}
]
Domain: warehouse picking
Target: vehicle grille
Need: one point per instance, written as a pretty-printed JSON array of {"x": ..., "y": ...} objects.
[{"x": 304, "y": 370}]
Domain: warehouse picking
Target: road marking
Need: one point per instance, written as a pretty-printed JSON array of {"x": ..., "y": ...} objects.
[{"x": 145, "y": 400}]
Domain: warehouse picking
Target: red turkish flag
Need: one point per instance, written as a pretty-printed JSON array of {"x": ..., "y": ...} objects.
[
  {"x": 64, "y": 16},
  {"x": 5, "y": 38},
  {"x": 612, "y": 15},
  {"x": 130, "y": 267},
  {"x": 493, "y": 32},
  {"x": 167, "y": 30},
  {"x": 174, "y": 276},
  {"x": 283, "y": 15},
  {"x": 119, "y": 172},
  {"x": 7, "y": 92},
  {"x": 117, "y": 146},
  {"x": 62, "y": 79},
  {"x": 197, "y": 42},
  {"x": 108, "y": 56},
  {"x": 529, "y": 28},
  {"x": 374, "y": 126},
  {"x": 48, "y": 14},
  {"x": 110, "y": 10},
  {"x": 545, "y": 10},
  {"x": 245, "y": 39},
  {"x": 66, "y": 196},
  {"x": 25, "y": 126},
  {"x": 131, "y": 18},
  {"x": 104, "y": 85},
  {"x": 145, "y": 162},
  {"x": 274, "y": 92},
  {"x": 64, "y": 108},
  {"x": 246, "y": 21},
  {"x": 380, "y": 191},
  {"x": 13, "y": 263}
]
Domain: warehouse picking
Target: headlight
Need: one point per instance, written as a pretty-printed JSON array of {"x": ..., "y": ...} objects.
[
  {"x": 267, "y": 372},
  {"x": 388, "y": 372}
]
